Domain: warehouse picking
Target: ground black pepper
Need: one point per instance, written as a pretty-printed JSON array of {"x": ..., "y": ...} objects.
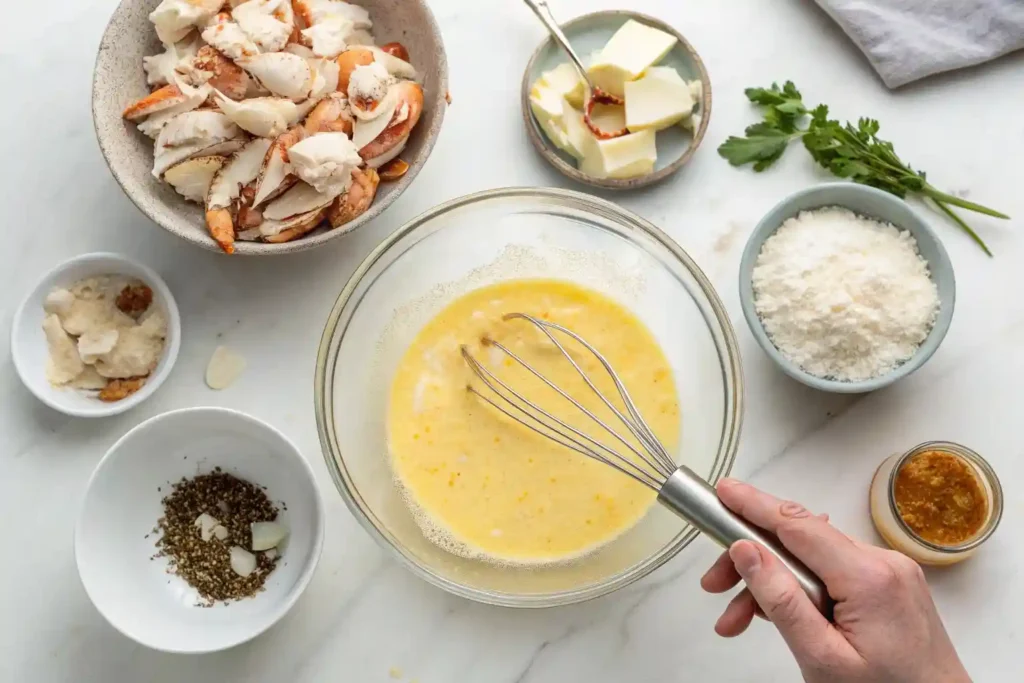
[{"x": 206, "y": 565}]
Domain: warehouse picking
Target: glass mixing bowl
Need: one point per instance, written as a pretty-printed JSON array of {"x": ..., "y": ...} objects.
[{"x": 498, "y": 235}]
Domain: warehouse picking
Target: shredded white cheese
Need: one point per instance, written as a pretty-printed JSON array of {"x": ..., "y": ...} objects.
[{"x": 843, "y": 296}]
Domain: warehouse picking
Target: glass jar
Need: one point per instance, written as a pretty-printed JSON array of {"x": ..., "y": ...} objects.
[{"x": 898, "y": 534}]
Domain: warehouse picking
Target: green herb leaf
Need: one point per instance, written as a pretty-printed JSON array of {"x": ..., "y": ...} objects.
[{"x": 847, "y": 151}]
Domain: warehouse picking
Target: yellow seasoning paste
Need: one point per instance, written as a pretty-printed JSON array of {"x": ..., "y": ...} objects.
[{"x": 485, "y": 486}]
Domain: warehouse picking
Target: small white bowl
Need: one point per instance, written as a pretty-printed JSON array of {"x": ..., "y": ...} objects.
[
  {"x": 29, "y": 348},
  {"x": 122, "y": 504}
]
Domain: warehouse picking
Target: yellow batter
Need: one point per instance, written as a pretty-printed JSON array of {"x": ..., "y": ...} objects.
[{"x": 486, "y": 486}]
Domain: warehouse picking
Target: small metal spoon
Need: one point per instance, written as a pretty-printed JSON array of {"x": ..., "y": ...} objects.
[{"x": 595, "y": 95}]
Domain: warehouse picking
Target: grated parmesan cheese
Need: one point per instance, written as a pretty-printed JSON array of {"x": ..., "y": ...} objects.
[{"x": 843, "y": 296}]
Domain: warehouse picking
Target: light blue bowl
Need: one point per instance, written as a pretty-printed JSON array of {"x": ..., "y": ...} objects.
[{"x": 866, "y": 201}]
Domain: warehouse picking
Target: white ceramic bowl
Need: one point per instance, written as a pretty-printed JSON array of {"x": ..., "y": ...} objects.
[
  {"x": 122, "y": 504},
  {"x": 28, "y": 343}
]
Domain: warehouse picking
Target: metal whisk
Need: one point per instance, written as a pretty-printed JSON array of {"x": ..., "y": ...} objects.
[{"x": 679, "y": 488}]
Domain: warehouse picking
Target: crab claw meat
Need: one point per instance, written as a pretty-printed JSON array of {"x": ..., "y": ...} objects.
[
  {"x": 368, "y": 87},
  {"x": 277, "y": 232},
  {"x": 192, "y": 178},
  {"x": 163, "y": 160},
  {"x": 266, "y": 117},
  {"x": 214, "y": 69},
  {"x": 331, "y": 115},
  {"x": 192, "y": 127},
  {"x": 366, "y": 131},
  {"x": 240, "y": 170},
  {"x": 194, "y": 98},
  {"x": 396, "y": 66},
  {"x": 409, "y": 106},
  {"x": 300, "y": 50},
  {"x": 354, "y": 202},
  {"x": 268, "y": 23},
  {"x": 155, "y": 102},
  {"x": 386, "y": 157},
  {"x": 299, "y": 200},
  {"x": 282, "y": 73},
  {"x": 192, "y": 134},
  {"x": 315, "y": 11},
  {"x": 222, "y": 229},
  {"x": 275, "y": 174}
]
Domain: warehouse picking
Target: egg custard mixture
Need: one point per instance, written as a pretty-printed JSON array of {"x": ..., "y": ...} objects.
[{"x": 482, "y": 485}]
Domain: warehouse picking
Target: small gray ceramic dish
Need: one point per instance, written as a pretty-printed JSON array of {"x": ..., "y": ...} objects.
[
  {"x": 588, "y": 33},
  {"x": 876, "y": 204},
  {"x": 118, "y": 79}
]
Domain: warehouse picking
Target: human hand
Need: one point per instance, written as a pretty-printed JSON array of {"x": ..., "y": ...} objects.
[{"x": 886, "y": 628}]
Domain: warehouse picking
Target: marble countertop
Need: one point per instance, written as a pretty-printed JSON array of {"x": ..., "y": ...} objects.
[{"x": 364, "y": 618}]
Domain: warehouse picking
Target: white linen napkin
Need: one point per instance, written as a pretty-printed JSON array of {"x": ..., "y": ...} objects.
[{"x": 909, "y": 39}]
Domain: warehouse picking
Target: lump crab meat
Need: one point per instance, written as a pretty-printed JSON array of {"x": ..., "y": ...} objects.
[
  {"x": 192, "y": 178},
  {"x": 268, "y": 23},
  {"x": 356, "y": 199},
  {"x": 298, "y": 201},
  {"x": 347, "y": 63},
  {"x": 368, "y": 87},
  {"x": 324, "y": 161},
  {"x": 224, "y": 34},
  {"x": 160, "y": 68},
  {"x": 282, "y": 73},
  {"x": 174, "y": 19},
  {"x": 329, "y": 37}
]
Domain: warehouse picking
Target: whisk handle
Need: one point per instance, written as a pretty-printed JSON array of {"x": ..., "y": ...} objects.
[{"x": 693, "y": 499}]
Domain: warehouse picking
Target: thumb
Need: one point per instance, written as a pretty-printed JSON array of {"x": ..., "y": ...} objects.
[{"x": 780, "y": 597}]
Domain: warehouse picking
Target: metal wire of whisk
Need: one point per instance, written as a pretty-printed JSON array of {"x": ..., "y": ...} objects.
[{"x": 679, "y": 488}]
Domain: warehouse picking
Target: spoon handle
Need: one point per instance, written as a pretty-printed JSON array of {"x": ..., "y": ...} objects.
[
  {"x": 693, "y": 499},
  {"x": 541, "y": 9}
]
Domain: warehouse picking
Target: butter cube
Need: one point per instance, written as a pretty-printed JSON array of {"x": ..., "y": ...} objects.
[
  {"x": 578, "y": 136},
  {"x": 666, "y": 73},
  {"x": 627, "y": 156},
  {"x": 566, "y": 82},
  {"x": 547, "y": 108},
  {"x": 656, "y": 102},
  {"x": 632, "y": 49}
]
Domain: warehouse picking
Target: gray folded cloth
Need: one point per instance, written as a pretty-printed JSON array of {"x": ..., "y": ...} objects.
[{"x": 909, "y": 39}]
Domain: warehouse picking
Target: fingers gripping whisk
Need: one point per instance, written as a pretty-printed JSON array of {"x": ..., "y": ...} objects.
[{"x": 643, "y": 458}]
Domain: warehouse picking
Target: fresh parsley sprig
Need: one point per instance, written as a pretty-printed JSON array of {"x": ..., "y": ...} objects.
[{"x": 847, "y": 151}]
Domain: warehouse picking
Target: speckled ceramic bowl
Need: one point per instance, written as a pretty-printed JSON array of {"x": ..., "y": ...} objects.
[
  {"x": 881, "y": 206},
  {"x": 118, "y": 79}
]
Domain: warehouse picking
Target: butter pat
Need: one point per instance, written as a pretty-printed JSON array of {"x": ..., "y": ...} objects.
[
  {"x": 579, "y": 138},
  {"x": 627, "y": 156},
  {"x": 657, "y": 101},
  {"x": 632, "y": 49},
  {"x": 565, "y": 82}
]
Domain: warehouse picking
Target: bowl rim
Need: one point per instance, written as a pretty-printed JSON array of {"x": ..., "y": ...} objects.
[
  {"x": 156, "y": 378},
  {"x": 731, "y": 370},
  {"x": 543, "y": 146},
  {"x": 243, "y": 248},
  {"x": 292, "y": 454},
  {"x": 916, "y": 225}
]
